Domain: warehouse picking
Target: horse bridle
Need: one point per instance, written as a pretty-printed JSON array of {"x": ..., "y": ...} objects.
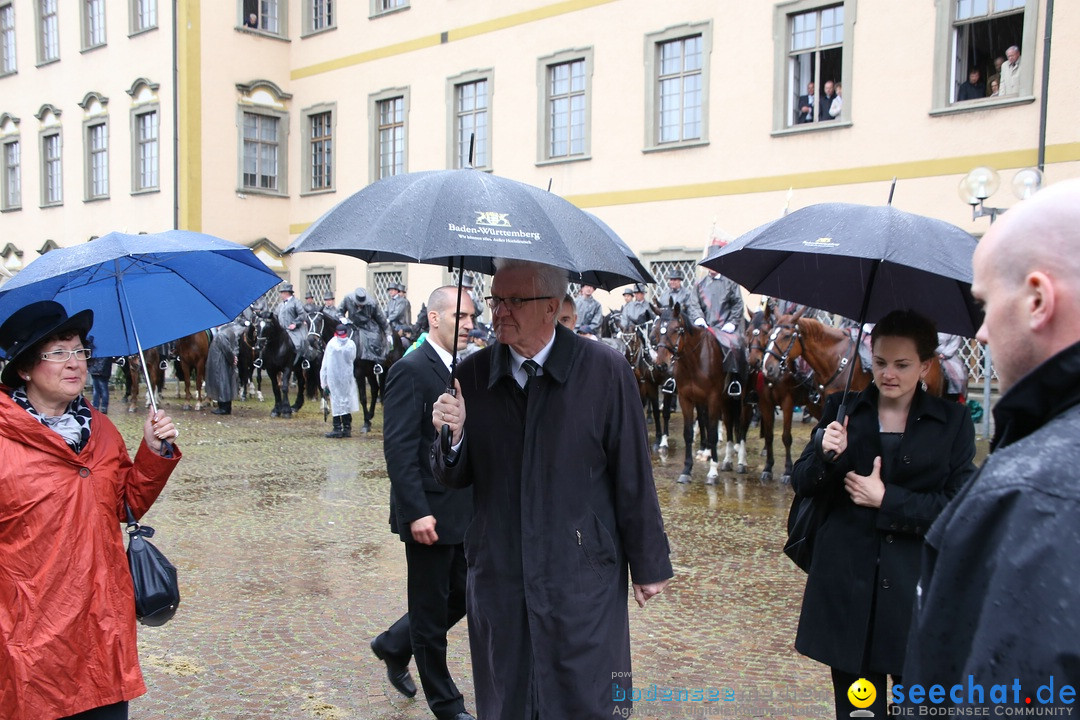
[
  {"x": 796, "y": 337},
  {"x": 680, "y": 330}
]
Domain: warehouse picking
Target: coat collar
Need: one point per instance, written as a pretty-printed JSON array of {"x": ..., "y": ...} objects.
[
  {"x": 558, "y": 364},
  {"x": 922, "y": 404},
  {"x": 1042, "y": 394}
]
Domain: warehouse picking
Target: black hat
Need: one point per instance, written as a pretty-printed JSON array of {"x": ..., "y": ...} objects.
[
  {"x": 328, "y": 296},
  {"x": 639, "y": 288},
  {"x": 675, "y": 275},
  {"x": 467, "y": 281},
  {"x": 341, "y": 328},
  {"x": 32, "y": 324},
  {"x": 285, "y": 287},
  {"x": 309, "y": 295}
]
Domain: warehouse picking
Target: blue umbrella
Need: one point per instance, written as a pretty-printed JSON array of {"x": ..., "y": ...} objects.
[{"x": 144, "y": 289}]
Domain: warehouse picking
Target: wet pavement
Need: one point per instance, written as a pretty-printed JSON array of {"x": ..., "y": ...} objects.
[{"x": 288, "y": 569}]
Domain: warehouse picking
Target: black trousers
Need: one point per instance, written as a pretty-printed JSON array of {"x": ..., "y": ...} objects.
[
  {"x": 119, "y": 711},
  {"x": 436, "y": 591}
]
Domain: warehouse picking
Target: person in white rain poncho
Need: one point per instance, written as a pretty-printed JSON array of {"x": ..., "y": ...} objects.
[{"x": 338, "y": 381}]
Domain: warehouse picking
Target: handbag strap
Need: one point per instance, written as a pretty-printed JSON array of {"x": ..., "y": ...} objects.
[{"x": 134, "y": 527}]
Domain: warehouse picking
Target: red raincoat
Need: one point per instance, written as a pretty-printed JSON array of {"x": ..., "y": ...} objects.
[{"x": 67, "y": 608}]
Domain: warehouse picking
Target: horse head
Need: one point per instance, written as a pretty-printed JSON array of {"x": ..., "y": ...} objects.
[
  {"x": 757, "y": 333},
  {"x": 784, "y": 345},
  {"x": 668, "y": 334}
]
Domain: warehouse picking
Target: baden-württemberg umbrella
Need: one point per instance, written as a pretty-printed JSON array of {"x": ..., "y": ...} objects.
[
  {"x": 144, "y": 289},
  {"x": 840, "y": 257}
]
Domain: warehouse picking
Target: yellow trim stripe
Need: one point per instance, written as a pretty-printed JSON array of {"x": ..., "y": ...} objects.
[
  {"x": 468, "y": 31},
  {"x": 189, "y": 99},
  {"x": 1065, "y": 152}
]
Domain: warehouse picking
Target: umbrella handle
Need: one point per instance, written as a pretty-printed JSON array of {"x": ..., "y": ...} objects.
[
  {"x": 819, "y": 435},
  {"x": 444, "y": 433}
]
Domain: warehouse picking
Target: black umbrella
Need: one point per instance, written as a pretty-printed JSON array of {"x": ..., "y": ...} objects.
[
  {"x": 861, "y": 262},
  {"x": 468, "y": 218}
]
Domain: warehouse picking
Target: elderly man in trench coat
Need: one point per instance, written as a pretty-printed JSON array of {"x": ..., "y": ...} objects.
[{"x": 565, "y": 508}]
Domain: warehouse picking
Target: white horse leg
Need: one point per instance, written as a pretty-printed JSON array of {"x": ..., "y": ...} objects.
[
  {"x": 741, "y": 467},
  {"x": 663, "y": 442},
  {"x": 728, "y": 465},
  {"x": 710, "y": 479}
]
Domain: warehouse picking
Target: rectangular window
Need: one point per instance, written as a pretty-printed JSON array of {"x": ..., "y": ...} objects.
[
  {"x": 146, "y": 151},
  {"x": 97, "y": 160},
  {"x": 391, "y": 133},
  {"x": 143, "y": 15},
  {"x": 322, "y": 147},
  {"x": 322, "y": 14},
  {"x": 93, "y": 23},
  {"x": 269, "y": 16},
  {"x": 815, "y": 64},
  {"x": 50, "y": 32},
  {"x": 7, "y": 38},
  {"x": 260, "y": 152},
  {"x": 381, "y": 6},
  {"x": 12, "y": 177},
  {"x": 471, "y": 124},
  {"x": 679, "y": 90},
  {"x": 51, "y": 170},
  {"x": 982, "y": 33},
  {"x": 566, "y": 109}
]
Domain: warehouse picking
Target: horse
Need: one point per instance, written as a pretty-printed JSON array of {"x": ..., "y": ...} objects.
[
  {"x": 787, "y": 392},
  {"x": 830, "y": 352},
  {"x": 641, "y": 357},
  {"x": 191, "y": 354},
  {"x": 133, "y": 365},
  {"x": 697, "y": 364},
  {"x": 274, "y": 352},
  {"x": 245, "y": 364}
]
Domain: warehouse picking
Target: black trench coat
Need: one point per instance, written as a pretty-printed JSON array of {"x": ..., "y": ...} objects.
[
  {"x": 564, "y": 501},
  {"x": 859, "y": 550}
]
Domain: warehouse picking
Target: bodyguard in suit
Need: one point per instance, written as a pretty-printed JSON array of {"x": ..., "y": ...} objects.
[{"x": 430, "y": 518}]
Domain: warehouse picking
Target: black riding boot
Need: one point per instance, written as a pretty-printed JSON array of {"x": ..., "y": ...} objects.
[
  {"x": 336, "y": 432},
  {"x": 223, "y": 408},
  {"x": 346, "y": 425}
]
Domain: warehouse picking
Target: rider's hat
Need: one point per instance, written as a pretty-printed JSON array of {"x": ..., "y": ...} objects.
[
  {"x": 328, "y": 296},
  {"x": 628, "y": 290},
  {"x": 675, "y": 275},
  {"x": 285, "y": 287}
]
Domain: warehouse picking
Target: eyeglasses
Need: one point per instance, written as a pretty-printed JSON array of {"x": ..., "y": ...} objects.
[
  {"x": 62, "y": 356},
  {"x": 514, "y": 303}
]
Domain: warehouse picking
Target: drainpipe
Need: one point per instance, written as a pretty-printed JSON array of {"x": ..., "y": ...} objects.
[
  {"x": 176, "y": 118},
  {"x": 1045, "y": 84}
]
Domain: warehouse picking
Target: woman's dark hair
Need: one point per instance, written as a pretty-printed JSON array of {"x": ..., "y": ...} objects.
[
  {"x": 28, "y": 359},
  {"x": 909, "y": 324}
]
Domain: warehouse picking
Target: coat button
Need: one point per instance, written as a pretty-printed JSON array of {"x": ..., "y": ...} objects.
[
  {"x": 907, "y": 459},
  {"x": 84, "y": 472},
  {"x": 894, "y": 526},
  {"x": 889, "y": 538},
  {"x": 885, "y": 583}
]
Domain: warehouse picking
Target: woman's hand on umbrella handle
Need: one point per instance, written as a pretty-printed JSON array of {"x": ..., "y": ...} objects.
[
  {"x": 159, "y": 430},
  {"x": 449, "y": 410},
  {"x": 834, "y": 440}
]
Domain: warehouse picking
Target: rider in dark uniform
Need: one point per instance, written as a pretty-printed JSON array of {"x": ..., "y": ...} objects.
[
  {"x": 638, "y": 311},
  {"x": 589, "y": 312},
  {"x": 363, "y": 313},
  {"x": 330, "y": 307}
]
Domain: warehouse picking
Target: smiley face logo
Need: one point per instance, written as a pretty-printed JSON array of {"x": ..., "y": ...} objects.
[{"x": 862, "y": 693}]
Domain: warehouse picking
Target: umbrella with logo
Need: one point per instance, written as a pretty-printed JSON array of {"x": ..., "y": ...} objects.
[{"x": 145, "y": 290}]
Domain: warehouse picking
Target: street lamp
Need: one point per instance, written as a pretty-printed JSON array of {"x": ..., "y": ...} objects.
[{"x": 982, "y": 182}]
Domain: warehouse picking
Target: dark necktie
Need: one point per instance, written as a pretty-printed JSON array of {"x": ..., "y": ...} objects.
[{"x": 531, "y": 367}]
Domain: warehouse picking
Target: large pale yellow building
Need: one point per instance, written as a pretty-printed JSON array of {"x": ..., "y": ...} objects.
[{"x": 675, "y": 122}]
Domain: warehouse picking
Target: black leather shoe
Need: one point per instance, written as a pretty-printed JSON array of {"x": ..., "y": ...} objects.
[
  {"x": 398, "y": 675},
  {"x": 463, "y": 716}
]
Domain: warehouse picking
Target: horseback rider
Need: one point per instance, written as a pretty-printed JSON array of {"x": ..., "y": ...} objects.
[
  {"x": 589, "y": 312},
  {"x": 468, "y": 285},
  {"x": 398, "y": 309},
  {"x": 330, "y": 307},
  {"x": 310, "y": 308},
  {"x": 291, "y": 317},
  {"x": 364, "y": 314},
  {"x": 638, "y": 311},
  {"x": 676, "y": 293}
]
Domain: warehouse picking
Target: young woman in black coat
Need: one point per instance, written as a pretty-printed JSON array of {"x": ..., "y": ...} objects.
[{"x": 900, "y": 455}]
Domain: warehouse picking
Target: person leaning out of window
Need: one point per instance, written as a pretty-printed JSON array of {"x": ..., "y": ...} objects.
[
  {"x": 67, "y": 607},
  {"x": 896, "y": 460}
]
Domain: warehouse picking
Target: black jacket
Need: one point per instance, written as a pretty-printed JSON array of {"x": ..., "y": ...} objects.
[
  {"x": 1000, "y": 583},
  {"x": 866, "y": 560},
  {"x": 413, "y": 385}
]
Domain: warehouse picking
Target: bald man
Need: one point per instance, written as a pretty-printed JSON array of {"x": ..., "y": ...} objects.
[{"x": 999, "y": 597}]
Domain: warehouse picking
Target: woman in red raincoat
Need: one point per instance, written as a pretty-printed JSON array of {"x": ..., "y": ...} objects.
[{"x": 67, "y": 608}]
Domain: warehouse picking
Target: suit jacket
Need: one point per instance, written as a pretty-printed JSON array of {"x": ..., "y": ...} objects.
[
  {"x": 800, "y": 116},
  {"x": 412, "y": 386}
]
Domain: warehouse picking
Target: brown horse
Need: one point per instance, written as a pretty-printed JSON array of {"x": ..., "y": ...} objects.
[
  {"x": 191, "y": 354},
  {"x": 786, "y": 393},
  {"x": 830, "y": 352},
  {"x": 133, "y": 366},
  {"x": 640, "y": 355},
  {"x": 697, "y": 364}
]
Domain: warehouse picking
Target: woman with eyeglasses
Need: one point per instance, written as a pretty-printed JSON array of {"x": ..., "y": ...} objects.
[{"x": 67, "y": 608}]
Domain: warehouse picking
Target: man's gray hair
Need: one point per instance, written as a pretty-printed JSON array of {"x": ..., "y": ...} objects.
[{"x": 550, "y": 280}]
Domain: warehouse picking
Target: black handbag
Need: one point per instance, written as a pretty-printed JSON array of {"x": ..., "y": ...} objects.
[
  {"x": 157, "y": 590},
  {"x": 806, "y": 516}
]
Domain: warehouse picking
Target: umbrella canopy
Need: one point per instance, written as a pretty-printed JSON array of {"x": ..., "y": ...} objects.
[
  {"x": 144, "y": 289},
  {"x": 467, "y": 218},
  {"x": 646, "y": 276},
  {"x": 861, "y": 262}
]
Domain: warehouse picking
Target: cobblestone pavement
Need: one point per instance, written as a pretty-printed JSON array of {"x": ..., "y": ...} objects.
[{"x": 288, "y": 570}]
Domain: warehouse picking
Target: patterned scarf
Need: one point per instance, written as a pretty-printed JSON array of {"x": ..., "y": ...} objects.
[{"x": 73, "y": 425}]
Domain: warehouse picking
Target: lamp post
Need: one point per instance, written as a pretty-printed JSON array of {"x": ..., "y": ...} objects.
[{"x": 975, "y": 188}]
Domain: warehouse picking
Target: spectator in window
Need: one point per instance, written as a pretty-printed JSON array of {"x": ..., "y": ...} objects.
[
  {"x": 994, "y": 88},
  {"x": 973, "y": 89},
  {"x": 837, "y": 104},
  {"x": 995, "y": 79},
  {"x": 825, "y": 102},
  {"x": 251, "y": 21},
  {"x": 1010, "y": 73},
  {"x": 806, "y": 105}
]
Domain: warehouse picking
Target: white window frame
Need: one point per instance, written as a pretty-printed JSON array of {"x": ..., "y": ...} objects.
[
  {"x": 52, "y": 168},
  {"x": 379, "y": 8},
  {"x": 308, "y": 162},
  {"x": 143, "y": 15},
  {"x": 10, "y": 174},
  {"x": 544, "y": 68},
  {"x": 273, "y": 17},
  {"x": 653, "y": 44},
  {"x": 785, "y": 95},
  {"x": 946, "y": 62},
  {"x": 264, "y": 99},
  {"x": 141, "y": 145},
  {"x": 375, "y": 101},
  {"x": 93, "y": 24},
  {"x": 457, "y": 147},
  {"x": 96, "y": 158},
  {"x": 316, "y": 9},
  {"x": 8, "y": 56},
  {"x": 48, "y": 31},
  {"x": 261, "y": 117}
]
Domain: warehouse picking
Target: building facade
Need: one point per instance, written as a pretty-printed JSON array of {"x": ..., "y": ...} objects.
[{"x": 673, "y": 122}]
